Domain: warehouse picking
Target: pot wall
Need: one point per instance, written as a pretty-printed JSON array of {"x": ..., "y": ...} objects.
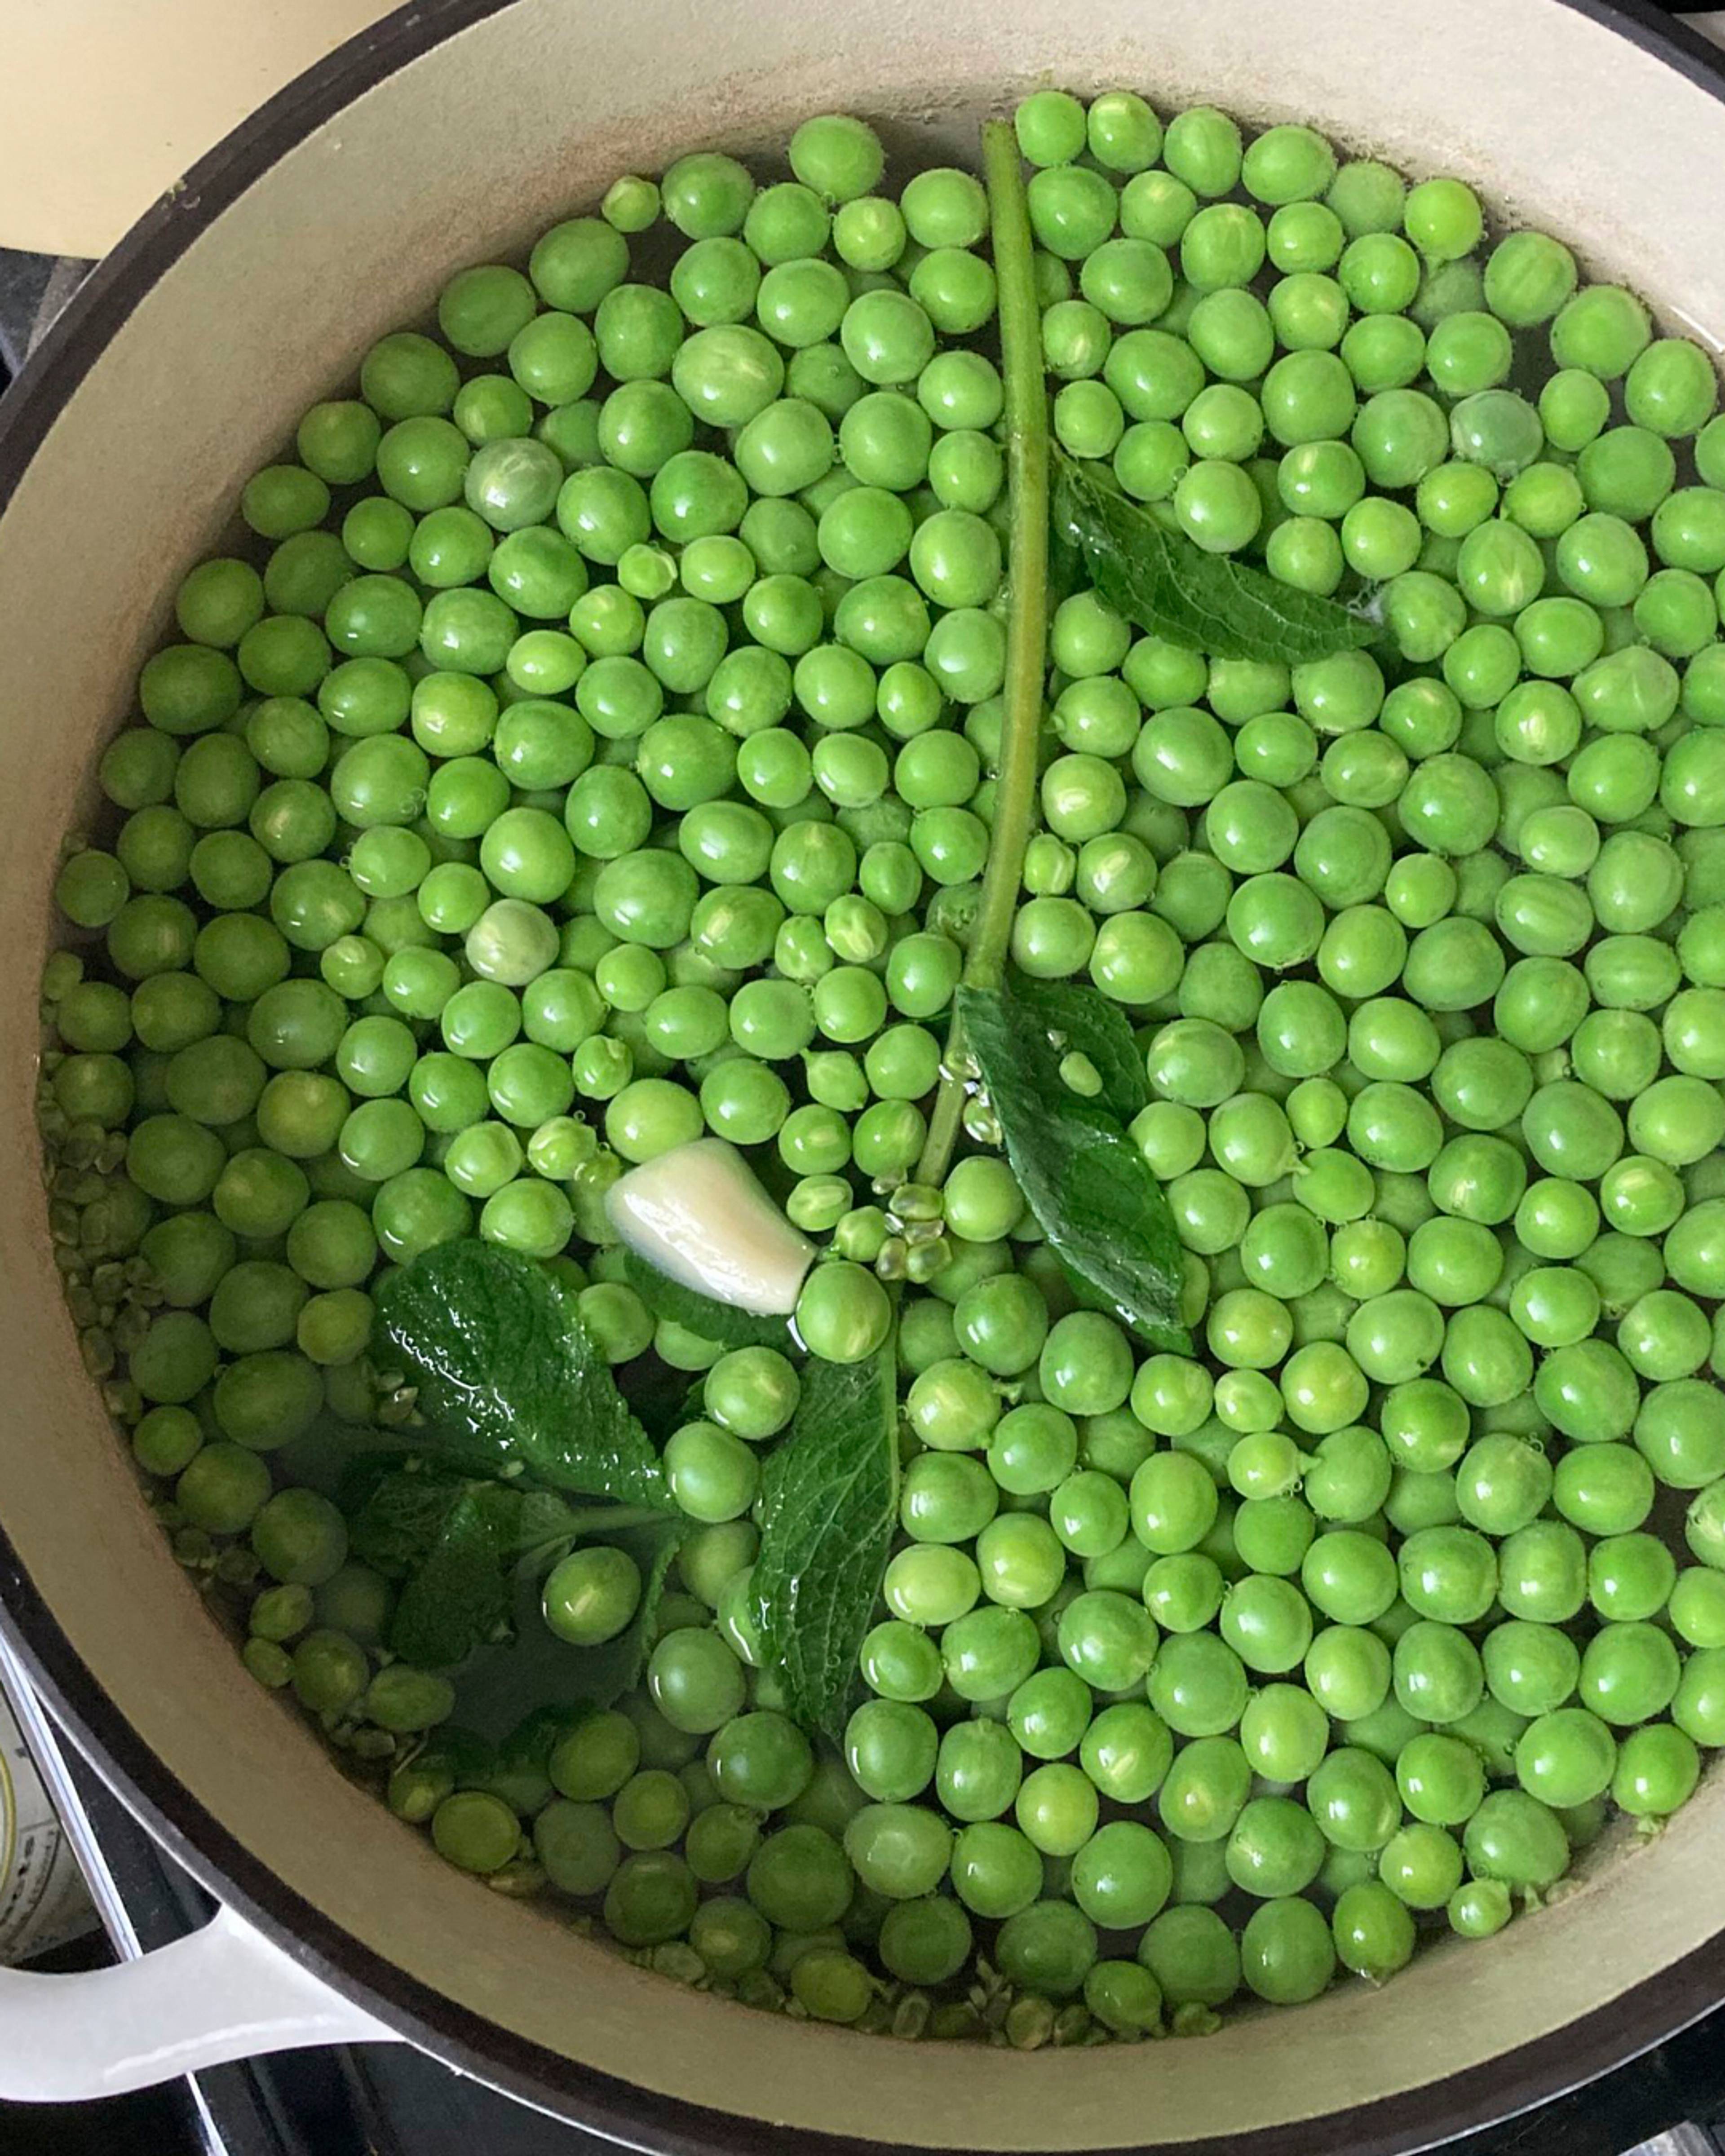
[{"x": 519, "y": 118}]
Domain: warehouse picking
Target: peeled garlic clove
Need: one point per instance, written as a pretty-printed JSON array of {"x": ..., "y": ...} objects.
[{"x": 699, "y": 1216}]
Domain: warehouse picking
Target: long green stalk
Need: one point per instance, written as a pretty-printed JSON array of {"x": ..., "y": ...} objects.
[
  {"x": 1027, "y": 459},
  {"x": 1027, "y": 567}
]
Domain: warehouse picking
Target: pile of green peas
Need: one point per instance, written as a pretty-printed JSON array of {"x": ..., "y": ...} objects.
[{"x": 590, "y": 748}]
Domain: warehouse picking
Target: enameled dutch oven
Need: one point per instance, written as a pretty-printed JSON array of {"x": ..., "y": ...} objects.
[{"x": 453, "y": 132}]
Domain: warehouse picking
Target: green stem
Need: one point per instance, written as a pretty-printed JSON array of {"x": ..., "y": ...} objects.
[
  {"x": 609, "y": 1519},
  {"x": 1027, "y": 561},
  {"x": 1027, "y": 457}
]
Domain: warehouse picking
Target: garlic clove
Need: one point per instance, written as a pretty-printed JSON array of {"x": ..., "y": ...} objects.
[{"x": 698, "y": 1215}]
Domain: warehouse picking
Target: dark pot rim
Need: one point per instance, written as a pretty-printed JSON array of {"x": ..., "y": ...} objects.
[{"x": 1655, "y": 2010}]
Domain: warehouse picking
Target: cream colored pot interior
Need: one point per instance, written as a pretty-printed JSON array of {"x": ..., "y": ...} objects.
[{"x": 463, "y": 156}]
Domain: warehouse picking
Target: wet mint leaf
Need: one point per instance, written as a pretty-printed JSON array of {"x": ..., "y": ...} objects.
[
  {"x": 1171, "y": 586},
  {"x": 1073, "y": 1020},
  {"x": 458, "y": 1544},
  {"x": 536, "y": 1673},
  {"x": 508, "y": 1381},
  {"x": 395, "y": 1520},
  {"x": 1103, "y": 1210},
  {"x": 459, "y": 1594},
  {"x": 701, "y": 1314},
  {"x": 395, "y": 1513},
  {"x": 829, "y": 1507}
]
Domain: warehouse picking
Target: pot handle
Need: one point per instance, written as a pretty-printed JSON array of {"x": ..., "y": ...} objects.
[{"x": 226, "y": 1992}]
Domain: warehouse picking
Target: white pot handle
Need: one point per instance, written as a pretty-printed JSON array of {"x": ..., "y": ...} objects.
[{"x": 223, "y": 1993}]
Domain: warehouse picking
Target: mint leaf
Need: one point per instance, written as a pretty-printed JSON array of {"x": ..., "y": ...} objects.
[
  {"x": 722, "y": 1321},
  {"x": 458, "y": 1543},
  {"x": 538, "y": 1672},
  {"x": 1168, "y": 585},
  {"x": 1101, "y": 1208},
  {"x": 1071, "y": 1021},
  {"x": 508, "y": 1381},
  {"x": 829, "y": 1506},
  {"x": 394, "y": 1518},
  {"x": 461, "y": 1593},
  {"x": 546, "y": 1522}
]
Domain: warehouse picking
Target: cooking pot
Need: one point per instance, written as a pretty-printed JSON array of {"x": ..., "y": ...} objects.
[{"x": 450, "y": 133}]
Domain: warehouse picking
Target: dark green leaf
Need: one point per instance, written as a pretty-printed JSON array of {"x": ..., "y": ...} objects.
[
  {"x": 1066, "y": 571},
  {"x": 829, "y": 1506},
  {"x": 544, "y": 1520},
  {"x": 458, "y": 1544},
  {"x": 468, "y": 1755},
  {"x": 1101, "y": 1208},
  {"x": 657, "y": 1393},
  {"x": 537, "y": 1672},
  {"x": 1168, "y": 585},
  {"x": 508, "y": 1381},
  {"x": 394, "y": 1518},
  {"x": 1082, "y": 1021},
  {"x": 535, "y": 1737},
  {"x": 459, "y": 1596},
  {"x": 699, "y": 1313},
  {"x": 394, "y": 1521},
  {"x": 335, "y": 1457}
]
